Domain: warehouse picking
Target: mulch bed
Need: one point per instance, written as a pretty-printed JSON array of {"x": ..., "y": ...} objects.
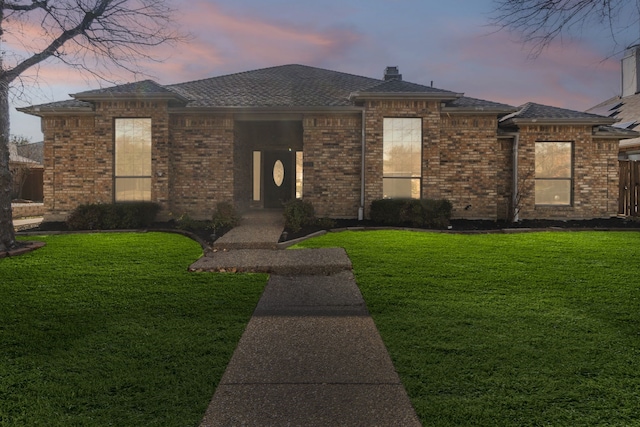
[
  {"x": 463, "y": 225},
  {"x": 204, "y": 236}
]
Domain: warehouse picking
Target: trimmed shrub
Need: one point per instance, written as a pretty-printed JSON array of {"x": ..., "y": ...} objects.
[
  {"x": 326, "y": 223},
  {"x": 98, "y": 216},
  {"x": 437, "y": 213},
  {"x": 297, "y": 214},
  {"x": 411, "y": 212},
  {"x": 225, "y": 217},
  {"x": 86, "y": 217}
]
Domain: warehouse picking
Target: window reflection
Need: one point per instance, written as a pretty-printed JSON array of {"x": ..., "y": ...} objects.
[
  {"x": 553, "y": 166},
  {"x": 402, "y": 157},
  {"x": 132, "y": 160}
]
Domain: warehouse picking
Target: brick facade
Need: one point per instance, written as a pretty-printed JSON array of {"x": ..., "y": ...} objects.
[
  {"x": 201, "y": 170},
  {"x": 595, "y": 173},
  {"x": 202, "y": 159},
  {"x": 332, "y": 163}
]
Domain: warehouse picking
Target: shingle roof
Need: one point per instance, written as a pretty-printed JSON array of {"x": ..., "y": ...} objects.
[
  {"x": 147, "y": 88},
  {"x": 626, "y": 110},
  {"x": 466, "y": 103},
  {"x": 14, "y": 157},
  {"x": 532, "y": 112},
  {"x": 68, "y": 105},
  {"x": 615, "y": 132},
  {"x": 282, "y": 86},
  {"x": 400, "y": 86}
]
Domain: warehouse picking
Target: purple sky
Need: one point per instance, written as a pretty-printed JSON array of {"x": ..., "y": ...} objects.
[{"x": 449, "y": 43}]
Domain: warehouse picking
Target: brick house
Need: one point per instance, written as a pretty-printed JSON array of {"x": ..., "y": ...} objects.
[{"x": 338, "y": 140}]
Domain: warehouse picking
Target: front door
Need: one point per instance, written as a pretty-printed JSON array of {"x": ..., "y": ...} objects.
[{"x": 278, "y": 177}]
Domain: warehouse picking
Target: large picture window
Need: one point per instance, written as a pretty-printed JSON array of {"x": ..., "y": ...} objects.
[
  {"x": 554, "y": 173},
  {"x": 402, "y": 158},
  {"x": 132, "y": 160}
]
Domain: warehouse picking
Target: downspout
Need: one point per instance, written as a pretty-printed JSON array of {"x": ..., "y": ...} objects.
[
  {"x": 514, "y": 195},
  {"x": 362, "y": 168}
]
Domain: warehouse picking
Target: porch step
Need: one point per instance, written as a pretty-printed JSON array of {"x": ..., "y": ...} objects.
[
  {"x": 308, "y": 262},
  {"x": 259, "y": 229}
]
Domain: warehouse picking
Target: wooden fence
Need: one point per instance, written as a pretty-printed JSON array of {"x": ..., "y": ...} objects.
[{"x": 629, "y": 187}]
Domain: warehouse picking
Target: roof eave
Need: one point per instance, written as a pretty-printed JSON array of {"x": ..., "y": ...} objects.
[
  {"x": 41, "y": 112},
  {"x": 266, "y": 110},
  {"x": 442, "y": 96},
  {"x": 477, "y": 110},
  {"x": 559, "y": 121},
  {"x": 124, "y": 96},
  {"x": 627, "y": 134}
]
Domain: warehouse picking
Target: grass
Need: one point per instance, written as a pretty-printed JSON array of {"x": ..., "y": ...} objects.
[
  {"x": 507, "y": 330},
  {"x": 111, "y": 329}
]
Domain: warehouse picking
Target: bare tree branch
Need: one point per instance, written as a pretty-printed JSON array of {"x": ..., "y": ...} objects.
[
  {"x": 540, "y": 22},
  {"x": 92, "y": 35}
]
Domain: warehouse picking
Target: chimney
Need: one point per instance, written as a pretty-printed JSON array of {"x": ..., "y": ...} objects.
[
  {"x": 392, "y": 73},
  {"x": 630, "y": 67}
]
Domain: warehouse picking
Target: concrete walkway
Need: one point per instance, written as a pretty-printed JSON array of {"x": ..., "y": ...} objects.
[
  {"x": 26, "y": 223},
  {"x": 311, "y": 354}
]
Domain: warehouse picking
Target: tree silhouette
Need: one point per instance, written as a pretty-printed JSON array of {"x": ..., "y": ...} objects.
[{"x": 92, "y": 35}]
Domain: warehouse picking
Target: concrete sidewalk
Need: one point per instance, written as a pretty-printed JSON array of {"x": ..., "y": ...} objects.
[{"x": 311, "y": 354}]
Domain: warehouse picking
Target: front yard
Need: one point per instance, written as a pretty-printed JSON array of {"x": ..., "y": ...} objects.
[
  {"x": 111, "y": 329},
  {"x": 507, "y": 330},
  {"x": 487, "y": 330}
]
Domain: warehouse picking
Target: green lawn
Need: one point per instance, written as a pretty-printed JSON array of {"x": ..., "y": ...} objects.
[
  {"x": 507, "y": 330},
  {"x": 111, "y": 329}
]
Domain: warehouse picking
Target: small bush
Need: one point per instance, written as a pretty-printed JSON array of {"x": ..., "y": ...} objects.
[
  {"x": 97, "y": 216},
  {"x": 86, "y": 217},
  {"x": 437, "y": 212},
  {"x": 225, "y": 217},
  {"x": 185, "y": 222},
  {"x": 297, "y": 214},
  {"x": 326, "y": 223},
  {"x": 411, "y": 212}
]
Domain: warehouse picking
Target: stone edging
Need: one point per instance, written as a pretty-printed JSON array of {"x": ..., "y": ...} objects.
[{"x": 24, "y": 248}]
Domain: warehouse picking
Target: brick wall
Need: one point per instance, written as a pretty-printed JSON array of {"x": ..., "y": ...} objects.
[
  {"x": 460, "y": 160},
  {"x": 193, "y": 156},
  {"x": 201, "y": 164},
  {"x": 595, "y": 173},
  {"x": 79, "y": 152},
  {"x": 332, "y": 161},
  {"x": 25, "y": 210},
  {"x": 70, "y": 165},
  {"x": 376, "y": 111},
  {"x": 469, "y": 165}
]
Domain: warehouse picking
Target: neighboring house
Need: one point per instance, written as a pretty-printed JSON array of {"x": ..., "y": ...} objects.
[
  {"x": 32, "y": 150},
  {"x": 626, "y": 107},
  {"x": 337, "y": 140},
  {"x": 27, "y": 176}
]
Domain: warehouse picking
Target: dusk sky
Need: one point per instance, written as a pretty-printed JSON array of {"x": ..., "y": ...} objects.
[{"x": 449, "y": 43}]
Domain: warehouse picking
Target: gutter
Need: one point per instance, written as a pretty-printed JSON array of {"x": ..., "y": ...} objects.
[
  {"x": 362, "y": 180},
  {"x": 514, "y": 193}
]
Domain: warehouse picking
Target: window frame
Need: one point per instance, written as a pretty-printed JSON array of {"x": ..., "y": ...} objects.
[
  {"x": 117, "y": 177},
  {"x": 409, "y": 177},
  {"x": 569, "y": 179}
]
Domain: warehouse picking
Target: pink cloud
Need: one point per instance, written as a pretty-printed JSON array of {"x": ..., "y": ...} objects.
[
  {"x": 571, "y": 74},
  {"x": 226, "y": 42}
]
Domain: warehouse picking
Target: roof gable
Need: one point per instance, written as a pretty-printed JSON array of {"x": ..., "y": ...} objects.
[{"x": 539, "y": 113}]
